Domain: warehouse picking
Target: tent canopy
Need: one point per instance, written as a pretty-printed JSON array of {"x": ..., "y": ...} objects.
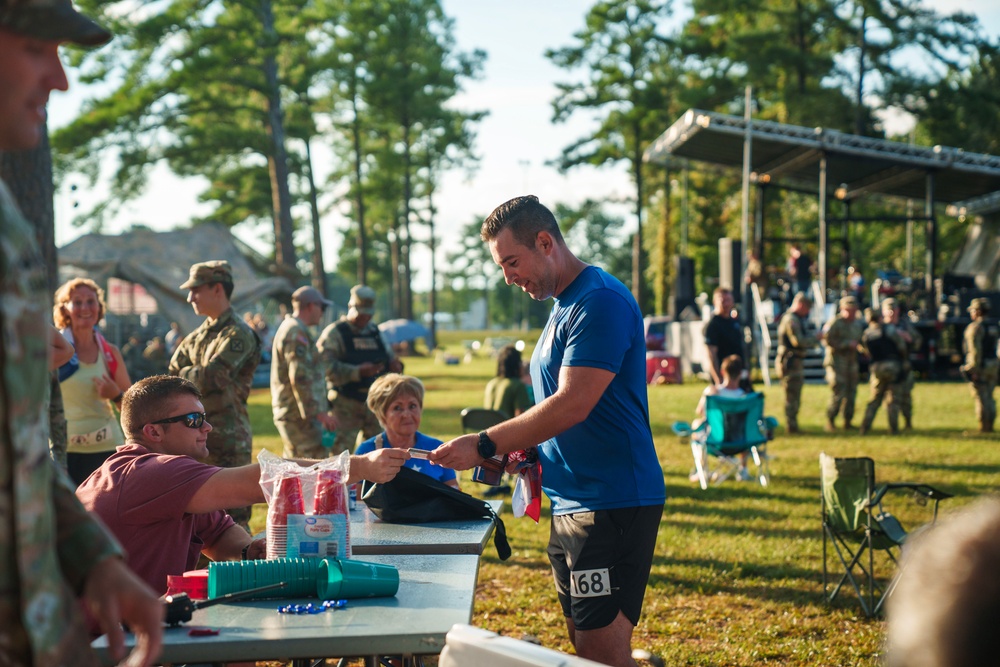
[{"x": 159, "y": 261}]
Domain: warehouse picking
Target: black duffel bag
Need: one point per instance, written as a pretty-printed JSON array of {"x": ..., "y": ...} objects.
[{"x": 413, "y": 497}]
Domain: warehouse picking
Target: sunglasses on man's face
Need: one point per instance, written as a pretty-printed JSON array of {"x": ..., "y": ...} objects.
[{"x": 191, "y": 419}]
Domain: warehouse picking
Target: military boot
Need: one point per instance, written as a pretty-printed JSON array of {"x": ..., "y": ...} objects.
[{"x": 893, "y": 425}]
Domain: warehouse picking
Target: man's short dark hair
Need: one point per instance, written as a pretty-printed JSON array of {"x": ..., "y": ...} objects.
[
  {"x": 524, "y": 217},
  {"x": 227, "y": 288},
  {"x": 148, "y": 400}
]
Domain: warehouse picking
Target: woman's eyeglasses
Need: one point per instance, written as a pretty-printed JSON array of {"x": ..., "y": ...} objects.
[{"x": 191, "y": 419}]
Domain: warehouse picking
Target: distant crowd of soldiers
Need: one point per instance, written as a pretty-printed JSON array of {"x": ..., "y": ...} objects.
[{"x": 888, "y": 341}]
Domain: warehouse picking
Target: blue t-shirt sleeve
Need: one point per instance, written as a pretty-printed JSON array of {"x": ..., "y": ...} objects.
[
  {"x": 599, "y": 333},
  {"x": 365, "y": 447}
]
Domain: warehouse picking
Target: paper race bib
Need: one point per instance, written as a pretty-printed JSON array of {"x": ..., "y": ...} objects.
[
  {"x": 88, "y": 439},
  {"x": 590, "y": 583}
]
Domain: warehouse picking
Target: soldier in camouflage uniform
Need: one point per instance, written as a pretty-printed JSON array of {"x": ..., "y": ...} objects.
[
  {"x": 885, "y": 348},
  {"x": 298, "y": 392},
  {"x": 353, "y": 353},
  {"x": 793, "y": 343},
  {"x": 220, "y": 357},
  {"x": 841, "y": 338},
  {"x": 53, "y": 554},
  {"x": 902, "y": 393},
  {"x": 981, "y": 364}
]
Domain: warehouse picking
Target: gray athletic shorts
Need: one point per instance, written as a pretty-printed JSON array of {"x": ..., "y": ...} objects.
[{"x": 600, "y": 562}]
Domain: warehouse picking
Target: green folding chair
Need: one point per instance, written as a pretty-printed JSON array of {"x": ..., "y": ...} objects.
[{"x": 856, "y": 526}]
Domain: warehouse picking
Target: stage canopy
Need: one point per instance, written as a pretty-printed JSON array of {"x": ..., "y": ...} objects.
[{"x": 834, "y": 164}]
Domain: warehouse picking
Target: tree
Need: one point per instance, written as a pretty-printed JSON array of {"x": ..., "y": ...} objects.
[
  {"x": 881, "y": 30},
  {"x": 629, "y": 82},
  {"x": 785, "y": 49},
  {"x": 963, "y": 108},
  {"x": 199, "y": 87},
  {"x": 595, "y": 236},
  {"x": 413, "y": 71}
]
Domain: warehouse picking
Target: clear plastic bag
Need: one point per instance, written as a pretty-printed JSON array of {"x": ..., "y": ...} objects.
[{"x": 308, "y": 512}]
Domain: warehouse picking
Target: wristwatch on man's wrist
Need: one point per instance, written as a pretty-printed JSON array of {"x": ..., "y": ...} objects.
[{"x": 486, "y": 447}]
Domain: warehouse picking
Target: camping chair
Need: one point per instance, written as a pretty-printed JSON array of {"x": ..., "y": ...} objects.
[
  {"x": 475, "y": 420},
  {"x": 732, "y": 426},
  {"x": 856, "y": 525}
]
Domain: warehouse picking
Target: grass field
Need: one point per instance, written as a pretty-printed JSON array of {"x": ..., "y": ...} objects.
[{"x": 736, "y": 577}]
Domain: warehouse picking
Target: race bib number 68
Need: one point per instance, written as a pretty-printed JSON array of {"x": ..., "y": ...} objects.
[{"x": 590, "y": 583}]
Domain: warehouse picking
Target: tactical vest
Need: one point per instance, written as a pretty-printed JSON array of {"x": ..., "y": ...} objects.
[
  {"x": 360, "y": 348},
  {"x": 880, "y": 346}
]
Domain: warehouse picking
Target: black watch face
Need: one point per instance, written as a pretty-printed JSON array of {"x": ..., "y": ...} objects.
[{"x": 486, "y": 446}]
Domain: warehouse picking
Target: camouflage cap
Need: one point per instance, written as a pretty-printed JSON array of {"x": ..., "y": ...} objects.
[
  {"x": 206, "y": 273},
  {"x": 890, "y": 303},
  {"x": 51, "y": 20},
  {"x": 981, "y": 304},
  {"x": 362, "y": 299},
  {"x": 801, "y": 297},
  {"x": 848, "y": 302},
  {"x": 306, "y": 295}
]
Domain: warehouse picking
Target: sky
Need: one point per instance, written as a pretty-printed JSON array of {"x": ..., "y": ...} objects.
[{"x": 515, "y": 141}]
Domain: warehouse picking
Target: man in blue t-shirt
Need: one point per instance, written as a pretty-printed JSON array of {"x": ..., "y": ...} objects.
[{"x": 599, "y": 466}]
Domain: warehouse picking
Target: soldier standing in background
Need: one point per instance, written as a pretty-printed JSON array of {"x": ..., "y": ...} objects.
[
  {"x": 220, "y": 357},
  {"x": 885, "y": 348},
  {"x": 841, "y": 337},
  {"x": 902, "y": 393},
  {"x": 980, "y": 368},
  {"x": 298, "y": 394},
  {"x": 353, "y": 353},
  {"x": 793, "y": 343}
]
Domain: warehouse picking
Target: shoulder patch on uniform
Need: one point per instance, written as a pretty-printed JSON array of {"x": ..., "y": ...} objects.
[{"x": 237, "y": 344}]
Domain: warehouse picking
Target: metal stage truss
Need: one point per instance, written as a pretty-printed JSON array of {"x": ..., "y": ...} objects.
[{"x": 829, "y": 163}]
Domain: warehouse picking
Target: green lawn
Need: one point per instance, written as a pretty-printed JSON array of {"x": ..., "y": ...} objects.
[{"x": 737, "y": 573}]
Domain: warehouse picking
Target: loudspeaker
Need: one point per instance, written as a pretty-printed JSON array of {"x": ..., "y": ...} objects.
[
  {"x": 683, "y": 288},
  {"x": 730, "y": 266}
]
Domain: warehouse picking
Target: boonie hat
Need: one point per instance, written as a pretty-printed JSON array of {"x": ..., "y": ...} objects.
[
  {"x": 306, "y": 295},
  {"x": 206, "y": 273},
  {"x": 51, "y": 20},
  {"x": 362, "y": 300},
  {"x": 848, "y": 302},
  {"x": 981, "y": 304}
]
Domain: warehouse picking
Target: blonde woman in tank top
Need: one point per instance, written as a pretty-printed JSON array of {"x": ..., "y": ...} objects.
[{"x": 92, "y": 382}]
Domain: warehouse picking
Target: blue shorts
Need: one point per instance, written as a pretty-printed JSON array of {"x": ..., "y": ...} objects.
[{"x": 601, "y": 561}]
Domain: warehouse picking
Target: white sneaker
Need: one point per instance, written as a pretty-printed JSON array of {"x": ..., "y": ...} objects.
[{"x": 743, "y": 475}]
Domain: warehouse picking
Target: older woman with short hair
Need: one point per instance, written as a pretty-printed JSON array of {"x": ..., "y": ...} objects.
[{"x": 398, "y": 403}]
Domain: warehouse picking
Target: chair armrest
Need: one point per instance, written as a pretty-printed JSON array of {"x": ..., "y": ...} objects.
[
  {"x": 681, "y": 428},
  {"x": 925, "y": 490}
]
